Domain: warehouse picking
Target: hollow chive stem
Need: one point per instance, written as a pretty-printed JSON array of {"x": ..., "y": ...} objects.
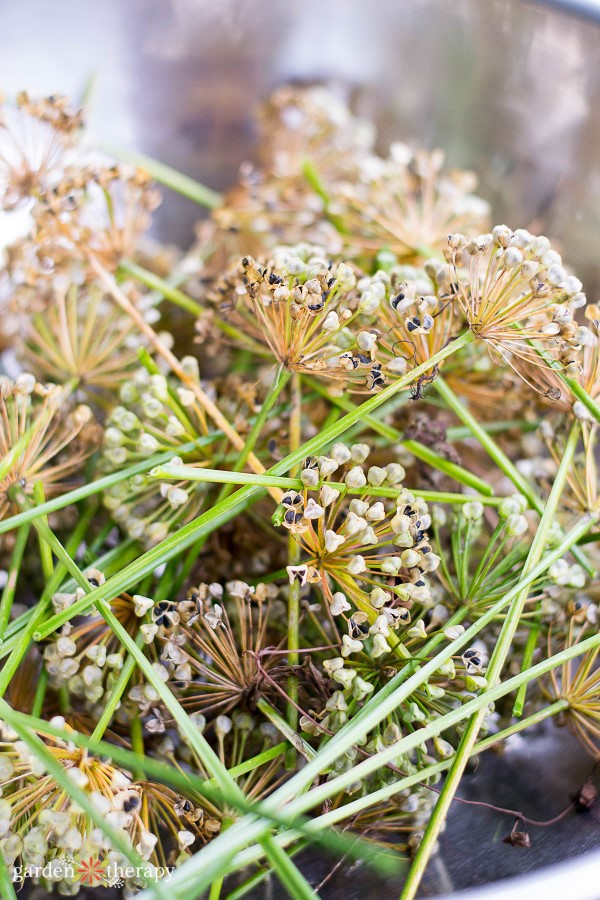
[
  {"x": 294, "y": 558},
  {"x": 223, "y": 476},
  {"x": 8, "y": 594},
  {"x": 45, "y": 552}
]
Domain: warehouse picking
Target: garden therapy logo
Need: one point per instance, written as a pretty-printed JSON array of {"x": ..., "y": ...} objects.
[{"x": 91, "y": 872}]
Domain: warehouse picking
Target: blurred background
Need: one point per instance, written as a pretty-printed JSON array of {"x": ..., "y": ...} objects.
[{"x": 508, "y": 88}]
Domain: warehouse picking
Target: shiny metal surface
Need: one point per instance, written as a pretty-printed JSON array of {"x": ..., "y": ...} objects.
[{"x": 510, "y": 89}]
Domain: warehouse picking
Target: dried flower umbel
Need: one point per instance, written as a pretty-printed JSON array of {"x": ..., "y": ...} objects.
[
  {"x": 308, "y": 143},
  {"x": 369, "y": 553},
  {"x": 407, "y": 316},
  {"x": 80, "y": 336},
  {"x": 578, "y": 682},
  {"x": 87, "y": 657},
  {"x": 98, "y": 214},
  {"x": 38, "y": 432},
  {"x": 211, "y": 645},
  {"x": 517, "y": 297},
  {"x": 406, "y": 204},
  {"x": 40, "y": 822},
  {"x": 35, "y": 136},
  {"x": 304, "y": 309}
]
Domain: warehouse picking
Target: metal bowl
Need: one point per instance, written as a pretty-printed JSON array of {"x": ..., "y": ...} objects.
[{"x": 510, "y": 89}]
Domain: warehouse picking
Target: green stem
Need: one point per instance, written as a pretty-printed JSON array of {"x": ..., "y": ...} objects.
[
  {"x": 489, "y": 445},
  {"x": 497, "y": 662},
  {"x": 461, "y": 433},
  {"x": 576, "y": 389},
  {"x": 582, "y": 395},
  {"x": 452, "y": 470},
  {"x": 136, "y": 731},
  {"x": 8, "y": 594},
  {"x": 217, "y": 885},
  {"x": 294, "y": 558},
  {"x": 528, "y": 653},
  {"x": 40, "y": 693},
  {"x": 311, "y": 174},
  {"x": 156, "y": 283},
  {"x": 115, "y": 698},
  {"x": 166, "y": 175},
  {"x": 45, "y": 552},
  {"x": 179, "y": 298},
  {"x": 7, "y": 462},
  {"x": 225, "y": 476},
  {"x": 288, "y": 873},
  {"x": 290, "y": 733},
  {"x": 254, "y": 880},
  {"x": 7, "y": 890}
]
